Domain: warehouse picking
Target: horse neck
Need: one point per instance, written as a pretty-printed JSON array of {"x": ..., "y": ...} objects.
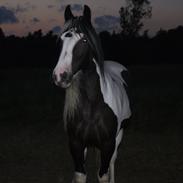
[
  {"x": 84, "y": 90},
  {"x": 91, "y": 82},
  {"x": 86, "y": 85}
]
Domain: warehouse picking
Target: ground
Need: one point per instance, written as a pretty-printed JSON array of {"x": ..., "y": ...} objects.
[{"x": 33, "y": 144}]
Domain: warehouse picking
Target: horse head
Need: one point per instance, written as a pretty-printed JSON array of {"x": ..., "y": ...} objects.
[{"x": 76, "y": 49}]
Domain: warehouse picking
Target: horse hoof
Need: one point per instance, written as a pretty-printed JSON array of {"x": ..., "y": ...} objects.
[
  {"x": 104, "y": 178},
  {"x": 79, "y": 178}
]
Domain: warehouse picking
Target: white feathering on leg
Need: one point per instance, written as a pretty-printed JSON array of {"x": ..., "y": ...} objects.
[
  {"x": 104, "y": 178},
  {"x": 79, "y": 178}
]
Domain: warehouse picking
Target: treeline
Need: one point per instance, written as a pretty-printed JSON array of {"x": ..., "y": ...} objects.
[
  {"x": 34, "y": 50},
  {"x": 38, "y": 50},
  {"x": 166, "y": 47}
]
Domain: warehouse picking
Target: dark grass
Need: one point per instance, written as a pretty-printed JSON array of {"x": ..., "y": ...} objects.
[{"x": 33, "y": 144}]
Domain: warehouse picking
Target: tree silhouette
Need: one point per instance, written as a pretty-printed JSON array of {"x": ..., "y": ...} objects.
[
  {"x": 2, "y": 35},
  {"x": 131, "y": 16}
]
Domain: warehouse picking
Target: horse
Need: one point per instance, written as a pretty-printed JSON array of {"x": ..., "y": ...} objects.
[{"x": 96, "y": 102}]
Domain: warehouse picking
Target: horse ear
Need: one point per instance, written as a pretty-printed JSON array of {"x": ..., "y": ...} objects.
[
  {"x": 68, "y": 14},
  {"x": 87, "y": 13}
]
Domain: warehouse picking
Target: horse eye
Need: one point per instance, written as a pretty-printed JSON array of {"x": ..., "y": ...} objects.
[
  {"x": 84, "y": 40},
  {"x": 68, "y": 34}
]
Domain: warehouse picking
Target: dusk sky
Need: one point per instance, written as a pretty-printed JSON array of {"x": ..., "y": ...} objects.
[{"x": 22, "y": 16}]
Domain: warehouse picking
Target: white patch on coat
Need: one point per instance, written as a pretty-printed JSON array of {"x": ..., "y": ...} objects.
[
  {"x": 65, "y": 60},
  {"x": 113, "y": 90}
]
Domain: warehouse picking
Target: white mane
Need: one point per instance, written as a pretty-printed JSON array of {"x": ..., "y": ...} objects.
[{"x": 113, "y": 90}]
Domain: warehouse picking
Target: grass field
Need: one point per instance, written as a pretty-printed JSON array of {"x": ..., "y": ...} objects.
[{"x": 33, "y": 144}]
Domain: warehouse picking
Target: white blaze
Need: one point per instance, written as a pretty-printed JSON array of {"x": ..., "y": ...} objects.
[{"x": 65, "y": 60}]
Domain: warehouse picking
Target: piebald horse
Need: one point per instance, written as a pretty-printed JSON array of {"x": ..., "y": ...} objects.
[{"x": 96, "y": 102}]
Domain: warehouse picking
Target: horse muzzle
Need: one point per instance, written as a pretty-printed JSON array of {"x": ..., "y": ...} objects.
[{"x": 62, "y": 80}]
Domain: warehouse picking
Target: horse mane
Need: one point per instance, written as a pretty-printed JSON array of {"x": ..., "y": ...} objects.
[
  {"x": 72, "y": 97},
  {"x": 87, "y": 29}
]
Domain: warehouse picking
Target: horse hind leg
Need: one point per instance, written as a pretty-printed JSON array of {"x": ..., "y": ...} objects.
[
  {"x": 85, "y": 153},
  {"x": 114, "y": 156},
  {"x": 78, "y": 153}
]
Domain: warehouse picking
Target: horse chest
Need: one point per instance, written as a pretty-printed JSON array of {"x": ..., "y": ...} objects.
[
  {"x": 88, "y": 132},
  {"x": 88, "y": 118},
  {"x": 93, "y": 126}
]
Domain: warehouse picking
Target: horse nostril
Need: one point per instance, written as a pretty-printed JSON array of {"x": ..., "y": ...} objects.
[
  {"x": 66, "y": 77},
  {"x": 63, "y": 76}
]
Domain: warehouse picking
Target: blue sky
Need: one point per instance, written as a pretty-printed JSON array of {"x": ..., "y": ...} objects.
[{"x": 22, "y": 16}]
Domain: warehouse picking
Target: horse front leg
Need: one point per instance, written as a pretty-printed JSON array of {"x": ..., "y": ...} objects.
[
  {"x": 107, "y": 151},
  {"x": 77, "y": 151}
]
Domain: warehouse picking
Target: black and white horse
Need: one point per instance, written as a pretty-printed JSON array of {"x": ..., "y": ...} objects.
[{"x": 96, "y": 102}]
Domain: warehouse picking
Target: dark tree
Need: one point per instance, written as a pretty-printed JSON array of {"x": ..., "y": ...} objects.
[
  {"x": 2, "y": 35},
  {"x": 132, "y": 15},
  {"x": 38, "y": 34}
]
